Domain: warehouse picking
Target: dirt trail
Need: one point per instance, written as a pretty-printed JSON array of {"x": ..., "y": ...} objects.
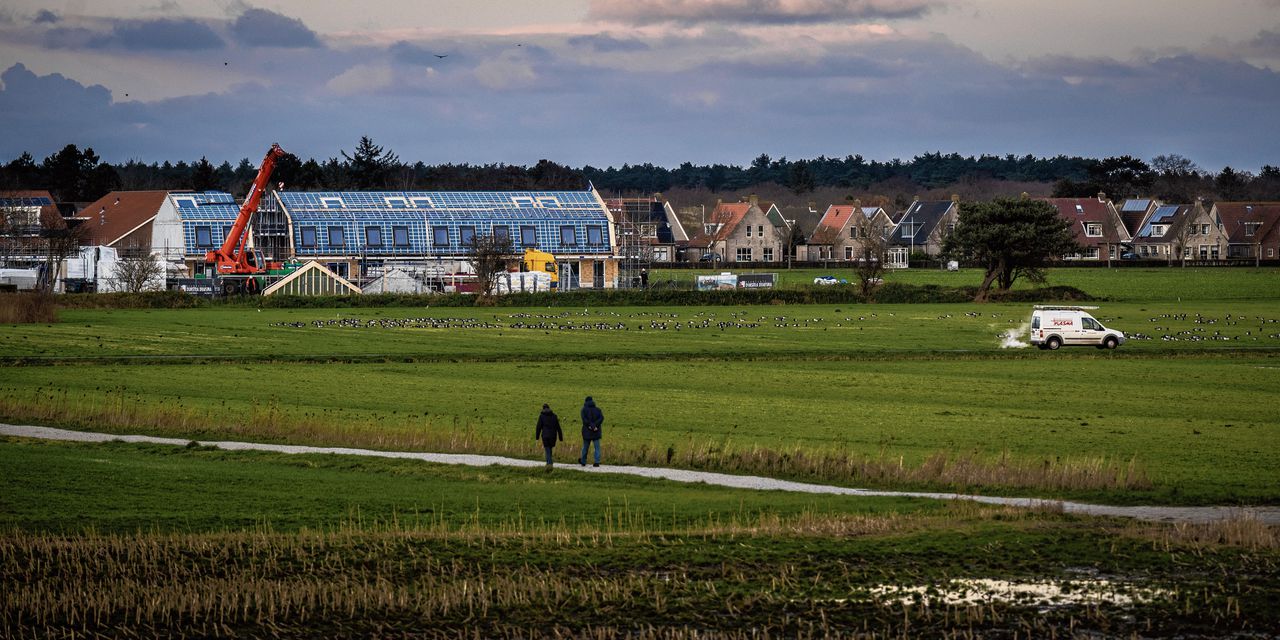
[{"x": 1269, "y": 515}]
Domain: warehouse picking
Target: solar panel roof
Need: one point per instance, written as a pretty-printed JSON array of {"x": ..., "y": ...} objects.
[
  {"x": 1136, "y": 205},
  {"x": 25, "y": 202}
]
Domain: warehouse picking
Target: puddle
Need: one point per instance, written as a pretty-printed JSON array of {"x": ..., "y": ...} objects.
[{"x": 1045, "y": 594}]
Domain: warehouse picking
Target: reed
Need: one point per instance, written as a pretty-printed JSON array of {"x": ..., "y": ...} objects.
[
  {"x": 1242, "y": 530},
  {"x": 27, "y": 308}
]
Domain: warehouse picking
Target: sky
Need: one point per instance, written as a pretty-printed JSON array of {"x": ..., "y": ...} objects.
[{"x": 608, "y": 82}]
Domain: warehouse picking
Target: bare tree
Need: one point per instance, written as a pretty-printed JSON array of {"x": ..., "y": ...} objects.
[
  {"x": 489, "y": 255},
  {"x": 135, "y": 270},
  {"x": 873, "y": 239},
  {"x": 1180, "y": 238}
]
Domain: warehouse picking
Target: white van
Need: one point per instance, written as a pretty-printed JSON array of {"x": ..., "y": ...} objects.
[{"x": 1053, "y": 327}]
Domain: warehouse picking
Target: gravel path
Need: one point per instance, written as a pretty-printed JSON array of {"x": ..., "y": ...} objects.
[{"x": 1269, "y": 515}]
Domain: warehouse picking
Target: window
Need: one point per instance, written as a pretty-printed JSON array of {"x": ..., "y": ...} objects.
[
  {"x": 853, "y": 233},
  {"x": 1204, "y": 252},
  {"x": 908, "y": 230},
  {"x": 421, "y": 203},
  {"x": 1157, "y": 231},
  {"x": 744, "y": 253},
  {"x": 308, "y": 236},
  {"x": 467, "y": 235},
  {"x": 848, "y": 253},
  {"x": 396, "y": 203},
  {"x": 1093, "y": 229},
  {"x": 648, "y": 230},
  {"x": 568, "y": 236},
  {"x": 400, "y": 236},
  {"x": 595, "y": 235},
  {"x": 501, "y": 232},
  {"x": 440, "y": 236},
  {"x": 1111, "y": 250},
  {"x": 760, "y": 229},
  {"x": 337, "y": 236},
  {"x": 768, "y": 254},
  {"x": 1213, "y": 252},
  {"x": 748, "y": 231},
  {"x": 1091, "y": 252},
  {"x": 331, "y": 203},
  {"x": 373, "y": 236},
  {"x": 1271, "y": 252},
  {"x": 1251, "y": 228},
  {"x": 1143, "y": 250},
  {"x": 528, "y": 236},
  {"x": 204, "y": 237},
  {"x": 1204, "y": 229},
  {"x": 1090, "y": 324}
]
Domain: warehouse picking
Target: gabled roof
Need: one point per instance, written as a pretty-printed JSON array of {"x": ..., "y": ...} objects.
[
  {"x": 725, "y": 218},
  {"x": 118, "y": 213},
  {"x": 1169, "y": 216},
  {"x": 1134, "y": 212},
  {"x": 836, "y": 219},
  {"x": 312, "y": 279},
  {"x": 774, "y": 214},
  {"x": 1237, "y": 217},
  {"x": 1083, "y": 211},
  {"x": 923, "y": 216}
]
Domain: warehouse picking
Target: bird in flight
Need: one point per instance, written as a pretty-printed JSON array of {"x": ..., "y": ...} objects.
[{"x": 440, "y": 55}]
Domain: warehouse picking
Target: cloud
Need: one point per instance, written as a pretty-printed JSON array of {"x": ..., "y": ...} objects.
[
  {"x": 163, "y": 34},
  {"x": 604, "y": 43},
  {"x": 413, "y": 54},
  {"x": 263, "y": 28},
  {"x": 505, "y": 72},
  {"x": 362, "y": 79},
  {"x": 46, "y": 16},
  {"x": 756, "y": 11}
]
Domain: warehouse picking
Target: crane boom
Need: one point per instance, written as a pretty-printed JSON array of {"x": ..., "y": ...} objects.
[{"x": 231, "y": 258}]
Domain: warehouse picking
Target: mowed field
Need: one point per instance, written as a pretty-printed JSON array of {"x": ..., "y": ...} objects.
[{"x": 151, "y": 540}]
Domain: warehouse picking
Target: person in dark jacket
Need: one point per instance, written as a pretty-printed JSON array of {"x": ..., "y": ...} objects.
[
  {"x": 592, "y": 421},
  {"x": 548, "y": 431}
]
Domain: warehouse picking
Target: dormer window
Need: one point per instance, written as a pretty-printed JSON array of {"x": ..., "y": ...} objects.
[
  {"x": 1157, "y": 231},
  {"x": 1251, "y": 228},
  {"x": 1093, "y": 229}
]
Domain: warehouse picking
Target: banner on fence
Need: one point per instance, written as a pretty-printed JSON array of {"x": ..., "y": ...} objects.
[
  {"x": 717, "y": 282},
  {"x": 757, "y": 280}
]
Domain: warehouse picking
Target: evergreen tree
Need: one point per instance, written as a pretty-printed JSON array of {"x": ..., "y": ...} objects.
[
  {"x": 203, "y": 176},
  {"x": 371, "y": 165},
  {"x": 1010, "y": 238}
]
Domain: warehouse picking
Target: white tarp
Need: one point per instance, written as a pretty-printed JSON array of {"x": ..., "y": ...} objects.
[
  {"x": 396, "y": 281},
  {"x": 511, "y": 282}
]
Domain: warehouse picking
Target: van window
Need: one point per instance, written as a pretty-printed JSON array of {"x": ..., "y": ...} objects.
[
  {"x": 1035, "y": 322},
  {"x": 1090, "y": 324}
]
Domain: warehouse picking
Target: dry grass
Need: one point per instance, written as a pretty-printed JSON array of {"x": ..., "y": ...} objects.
[
  {"x": 1243, "y": 530},
  {"x": 122, "y": 411},
  {"x": 27, "y": 308}
]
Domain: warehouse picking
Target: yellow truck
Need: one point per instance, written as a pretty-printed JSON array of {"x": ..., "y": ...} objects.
[{"x": 535, "y": 260}]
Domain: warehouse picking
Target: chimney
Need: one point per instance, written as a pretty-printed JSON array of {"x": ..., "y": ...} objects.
[
  {"x": 857, "y": 204},
  {"x": 955, "y": 197},
  {"x": 915, "y": 198},
  {"x": 1102, "y": 196},
  {"x": 754, "y": 199}
]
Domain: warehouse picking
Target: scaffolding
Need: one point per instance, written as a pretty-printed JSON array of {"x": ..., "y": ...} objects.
[{"x": 636, "y": 233}]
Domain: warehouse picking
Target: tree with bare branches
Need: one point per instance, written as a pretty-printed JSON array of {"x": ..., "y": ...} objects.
[
  {"x": 489, "y": 255},
  {"x": 873, "y": 240}
]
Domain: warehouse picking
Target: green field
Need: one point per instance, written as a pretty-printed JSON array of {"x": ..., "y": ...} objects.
[{"x": 150, "y": 540}]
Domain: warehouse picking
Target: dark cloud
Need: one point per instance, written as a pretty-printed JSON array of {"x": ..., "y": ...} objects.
[
  {"x": 604, "y": 43},
  {"x": 757, "y": 11},
  {"x": 1082, "y": 68},
  {"x": 46, "y": 17},
  {"x": 263, "y": 28},
  {"x": 1266, "y": 43},
  {"x": 164, "y": 34}
]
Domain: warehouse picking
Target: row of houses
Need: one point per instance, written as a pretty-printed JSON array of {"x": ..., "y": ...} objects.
[{"x": 361, "y": 235}]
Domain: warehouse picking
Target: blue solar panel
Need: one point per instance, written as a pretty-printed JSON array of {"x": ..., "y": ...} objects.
[
  {"x": 1163, "y": 215},
  {"x": 24, "y": 201},
  {"x": 417, "y": 215},
  {"x": 1136, "y": 205}
]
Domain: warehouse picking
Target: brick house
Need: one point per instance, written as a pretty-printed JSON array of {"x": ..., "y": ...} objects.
[
  {"x": 1251, "y": 229},
  {"x": 1164, "y": 233},
  {"x": 1206, "y": 239},
  {"x": 838, "y": 234},
  {"x": 1097, "y": 226},
  {"x": 922, "y": 228},
  {"x": 742, "y": 232}
]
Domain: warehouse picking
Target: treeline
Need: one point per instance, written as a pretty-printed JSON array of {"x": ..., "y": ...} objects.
[{"x": 75, "y": 175}]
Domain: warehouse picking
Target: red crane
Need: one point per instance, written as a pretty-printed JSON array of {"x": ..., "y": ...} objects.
[{"x": 231, "y": 259}]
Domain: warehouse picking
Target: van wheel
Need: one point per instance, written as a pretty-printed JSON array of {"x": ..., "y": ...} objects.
[
  {"x": 1053, "y": 343},
  {"x": 1111, "y": 342}
]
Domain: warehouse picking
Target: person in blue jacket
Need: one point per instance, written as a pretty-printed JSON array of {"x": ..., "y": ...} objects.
[{"x": 592, "y": 421}]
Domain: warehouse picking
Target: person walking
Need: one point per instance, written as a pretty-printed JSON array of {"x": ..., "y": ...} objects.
[
  {"x": 548, "y": 431},
  {"x": 592, "y": 420}
]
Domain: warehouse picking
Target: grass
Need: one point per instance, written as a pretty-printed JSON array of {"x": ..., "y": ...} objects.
[
  {"x": 1145, "y": 431},
  {"x": 26, "y": 308},
  {"x": 593, "y": 566}
]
